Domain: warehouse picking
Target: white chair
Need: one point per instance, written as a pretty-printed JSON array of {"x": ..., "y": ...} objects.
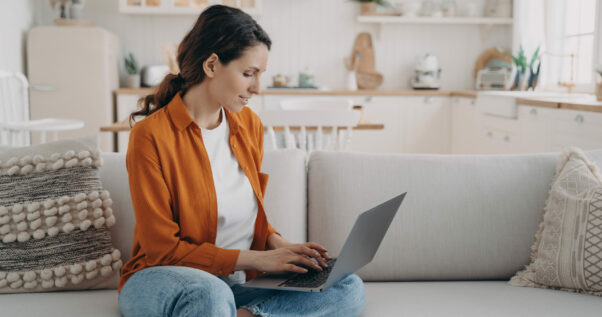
[
  {"x": 339, "y": 122},
  {"x": 15, "y": 126}
]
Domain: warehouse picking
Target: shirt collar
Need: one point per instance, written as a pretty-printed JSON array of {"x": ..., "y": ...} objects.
[{"x": 181, "y": 118}]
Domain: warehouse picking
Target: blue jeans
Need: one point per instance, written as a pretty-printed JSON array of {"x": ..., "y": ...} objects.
[{"x": 185, "y": 291}]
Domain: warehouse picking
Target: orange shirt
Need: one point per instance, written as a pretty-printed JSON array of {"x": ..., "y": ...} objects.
[{"x": 173, "y": 193}]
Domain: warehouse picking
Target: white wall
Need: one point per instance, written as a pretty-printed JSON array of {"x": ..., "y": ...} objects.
[
  {"x": 317, "y": 34},
  {"x": 16, "y": 18}
]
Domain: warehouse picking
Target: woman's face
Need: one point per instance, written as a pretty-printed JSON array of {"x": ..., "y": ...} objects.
[{"x": 239, "y": 80}]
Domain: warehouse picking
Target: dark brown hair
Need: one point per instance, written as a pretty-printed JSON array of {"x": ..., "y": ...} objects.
[{"x": 222, "y": 30}]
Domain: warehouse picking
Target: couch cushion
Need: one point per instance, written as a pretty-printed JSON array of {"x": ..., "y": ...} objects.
[
  {"x": 477, "y": 298},
  {"x": 464, "y": 217},
  {"x": 286, "y": 195},
  {"x": 114, "y": 178},
  {"x": 92, "y": 303}
]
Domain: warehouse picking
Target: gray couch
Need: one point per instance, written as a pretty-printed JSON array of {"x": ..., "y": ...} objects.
[{"x": 465, "y": 227}]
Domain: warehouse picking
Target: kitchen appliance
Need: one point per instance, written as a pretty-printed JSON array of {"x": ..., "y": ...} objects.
[
  {"x": 153, "y": 75},
  {"x": 494, "y": 78},
  {"x": 427, "y": 73},
  {"x": 73, "y": 73}
]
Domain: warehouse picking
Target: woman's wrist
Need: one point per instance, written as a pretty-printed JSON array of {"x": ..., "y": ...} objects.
[
  {"x": 245, "y": 260},
  {"x": 275, "y": 241}
]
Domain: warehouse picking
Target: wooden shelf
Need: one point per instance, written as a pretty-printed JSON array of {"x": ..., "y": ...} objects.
[
  {"x": 427, "y": 20},
  {"x": 169, "y": 7}
]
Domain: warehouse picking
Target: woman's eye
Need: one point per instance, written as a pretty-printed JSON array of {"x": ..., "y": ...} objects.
[{"x": 248, "y": 75}]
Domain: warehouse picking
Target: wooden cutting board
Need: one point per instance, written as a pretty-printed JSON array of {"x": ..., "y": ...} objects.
[{"x": 367, "y": 77}]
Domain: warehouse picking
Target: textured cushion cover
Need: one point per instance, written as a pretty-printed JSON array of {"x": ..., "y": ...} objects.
[
  {"x": 54, "y": 219},
  {"x": 465, "y": 216},
  {"x": 567, "y": 252}
]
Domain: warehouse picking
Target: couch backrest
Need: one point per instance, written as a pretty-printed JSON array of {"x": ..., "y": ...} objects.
[
  {"x": 285, "y": 200},
  {"x": 464, "y": 217}
]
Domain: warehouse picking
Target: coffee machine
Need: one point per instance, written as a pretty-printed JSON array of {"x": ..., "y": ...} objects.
[{"x": 427, "y": 73}]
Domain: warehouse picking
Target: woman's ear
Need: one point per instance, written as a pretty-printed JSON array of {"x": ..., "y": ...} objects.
[{"x": 210, "y": 65}]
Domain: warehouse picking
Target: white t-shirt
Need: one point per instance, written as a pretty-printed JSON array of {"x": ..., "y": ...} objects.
[{"x": 236, "y": 201}]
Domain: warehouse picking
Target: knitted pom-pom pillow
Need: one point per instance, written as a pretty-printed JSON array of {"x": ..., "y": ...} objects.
[{"x": 54, "y": 219}]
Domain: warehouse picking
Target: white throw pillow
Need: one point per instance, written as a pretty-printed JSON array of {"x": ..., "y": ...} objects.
[{"x": 567, "y": 253}]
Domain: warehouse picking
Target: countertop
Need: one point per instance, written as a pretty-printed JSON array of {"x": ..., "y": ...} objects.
[{"x": 589, "y": 104}]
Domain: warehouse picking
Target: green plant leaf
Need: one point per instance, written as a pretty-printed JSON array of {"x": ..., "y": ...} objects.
[{"x": 535, "y": 55}]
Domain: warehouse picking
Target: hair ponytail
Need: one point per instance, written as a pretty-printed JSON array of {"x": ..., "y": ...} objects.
[
  {"x": 222, "y": 30},
  {"x": 167, "y": 89}
]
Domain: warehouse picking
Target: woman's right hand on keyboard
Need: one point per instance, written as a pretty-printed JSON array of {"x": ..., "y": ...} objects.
[{"x": 279, "y": 260}]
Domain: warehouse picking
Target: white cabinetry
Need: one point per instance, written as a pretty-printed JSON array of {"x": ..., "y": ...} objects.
[
  {"x": 426, "y": 124},
  {"x": 384, "y": 110},
  {"x": 463, "y": 126},
  {"x": 576, "y": 128},
  {"x": 535, "y": 123},
  {"x": 126, "y": 104},
  {"x": 497, "y": 135}
]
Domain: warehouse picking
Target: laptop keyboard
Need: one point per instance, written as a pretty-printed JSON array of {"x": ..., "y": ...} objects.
[{"x": 313, "y": 278}]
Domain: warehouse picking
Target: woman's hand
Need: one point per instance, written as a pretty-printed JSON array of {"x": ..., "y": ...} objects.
[{"x": 283, "y": 259}]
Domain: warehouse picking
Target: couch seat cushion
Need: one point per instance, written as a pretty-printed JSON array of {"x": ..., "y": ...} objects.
[
  {"x": 91, "y": 303},
  {"x": 475, "y": 298}
]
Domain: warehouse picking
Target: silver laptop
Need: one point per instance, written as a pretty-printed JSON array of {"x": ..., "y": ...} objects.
[{"x": 359, "y": 249}]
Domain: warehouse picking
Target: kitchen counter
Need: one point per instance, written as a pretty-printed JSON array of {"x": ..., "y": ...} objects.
[{"x": 587, "y": 104}]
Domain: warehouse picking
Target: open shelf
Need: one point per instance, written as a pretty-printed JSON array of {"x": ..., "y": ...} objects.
[{"x": 429, "y": 20}]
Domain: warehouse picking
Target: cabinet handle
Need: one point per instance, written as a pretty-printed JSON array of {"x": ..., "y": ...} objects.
[
  {"x": 456, "y": 99},
  {"x": 368, "y": 98},
  {"x": 428, "y": 99},
  {"x": 507, "y": 138},
  {"x": 533, "y": 111},
  {"x": 490, "y": 134},
  {"x": 472, "y": 102},
  {"x": 579, "y": 118}
]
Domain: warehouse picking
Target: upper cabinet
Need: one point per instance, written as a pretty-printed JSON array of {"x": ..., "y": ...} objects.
[{"x": 193, "y": 7}]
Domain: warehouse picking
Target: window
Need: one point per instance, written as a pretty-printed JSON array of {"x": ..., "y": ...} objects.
[{"x": 572, "y": 43}]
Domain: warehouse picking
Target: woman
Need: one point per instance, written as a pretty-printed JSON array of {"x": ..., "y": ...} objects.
[{"x": 197, "y": 190}]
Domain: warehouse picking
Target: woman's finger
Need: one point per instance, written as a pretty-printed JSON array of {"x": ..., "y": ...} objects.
[
  {"x": 294, "y": 268},
  {"x": 302, "y": 259},
  {"x": 320, "y": 249},
  {"x": 315, "y": 254}
]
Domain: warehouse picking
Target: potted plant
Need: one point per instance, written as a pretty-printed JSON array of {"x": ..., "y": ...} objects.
[
  {"x": 369, "y": 6},
  {"x": 131, "y": 67},
  {"x": 599, "y": 84},
  {"x": 520, "y": 81}
]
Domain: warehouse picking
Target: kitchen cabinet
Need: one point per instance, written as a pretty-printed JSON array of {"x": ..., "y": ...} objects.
[
  {"x": 425, "y": 124},
  {"x": 576, "y": 128},
  {"x": 497, "y": 135},
  {"x": 385, "y": 110},
  {"x": 463, "y": 126},
  {"x": 535, "y": 124}
]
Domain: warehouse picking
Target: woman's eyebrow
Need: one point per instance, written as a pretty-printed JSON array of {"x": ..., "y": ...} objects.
[{"x": 255, "y": 68}]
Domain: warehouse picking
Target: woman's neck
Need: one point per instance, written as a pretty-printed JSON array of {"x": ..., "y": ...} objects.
[{"x": 203, "y": 110}]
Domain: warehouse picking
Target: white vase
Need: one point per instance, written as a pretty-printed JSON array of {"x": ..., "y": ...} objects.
[
  {"x": 76, "y": 11},
  {"x": 132, "y": 81}
]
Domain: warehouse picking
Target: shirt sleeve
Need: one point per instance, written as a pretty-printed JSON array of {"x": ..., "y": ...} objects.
[
  {"x": 156, "y": 230},
  {"x": 260, "y": 151}
]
